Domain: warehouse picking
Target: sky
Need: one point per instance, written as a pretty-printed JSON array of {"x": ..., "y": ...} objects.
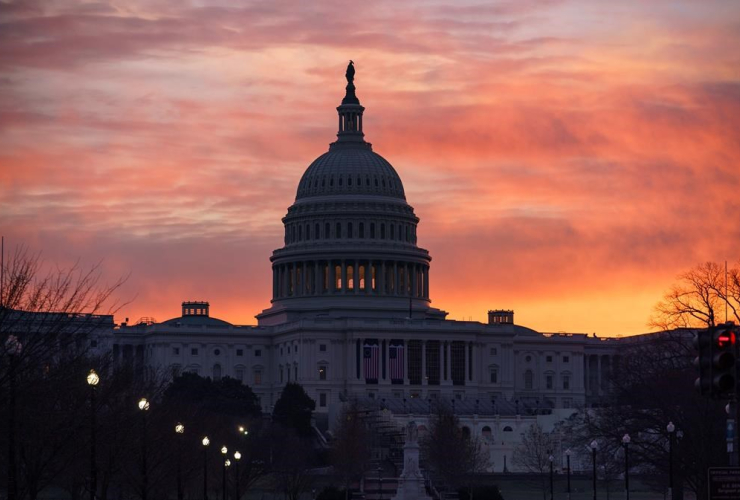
[{"x": 567, "y": 159}]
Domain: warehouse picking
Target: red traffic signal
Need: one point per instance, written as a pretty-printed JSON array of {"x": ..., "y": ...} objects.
[{"x": 724, "y": 360}]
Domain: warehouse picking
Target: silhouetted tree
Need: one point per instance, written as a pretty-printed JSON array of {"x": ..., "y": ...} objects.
[
  {"x": 293, "y": 409},
  {"x": 533, "y": 455},
  {"x": 350, "y": 451},
  {"x": 451, "y": 456},
  {"x": 698, "y": 299}
]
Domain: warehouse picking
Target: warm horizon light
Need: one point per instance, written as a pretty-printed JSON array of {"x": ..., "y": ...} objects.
[{"x": 568, "y": 159}]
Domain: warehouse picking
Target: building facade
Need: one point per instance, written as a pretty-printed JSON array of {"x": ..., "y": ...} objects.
[{"x": 351, "y": 315}]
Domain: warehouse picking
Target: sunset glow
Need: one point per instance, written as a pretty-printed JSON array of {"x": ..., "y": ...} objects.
[{"x": 567, "y": 158}]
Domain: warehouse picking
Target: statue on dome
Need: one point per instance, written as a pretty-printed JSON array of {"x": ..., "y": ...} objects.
[{"x": 350, "y": 74}]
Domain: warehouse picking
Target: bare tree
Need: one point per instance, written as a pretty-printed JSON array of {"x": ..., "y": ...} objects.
[
  {"x": 350, "y": 451},
  {"x": 450, "y": 454},
  {"x": 532, "y": 454},
  {"x": 699, "y": 298}
]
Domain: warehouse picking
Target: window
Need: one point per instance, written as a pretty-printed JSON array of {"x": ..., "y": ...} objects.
[
  {"x": 296, "y": 348},
  {"x": 93, "y": 343},
  {"x": 281, "y": 374},
  {"x": 295, "y": 372},
  {"x": 217, "y": 352},
  {"x": 176, "y": 351},
  {"x": 339, "y": 231},
  {"x": 216, "y": 372},
  {"x": 257, "y": 353},
  {"x": 372, "y": 230},
  {"x": 548, "y": 381},
  {"x": 548, "y": 359},
  {"x": 322, "y": 400},
  {"x": 567, "y": 403},
  {"x": 566, "y": 382},
  {"x": 528, "y": 379},
  {"x": 494, "y": 351},
  {"x": 508, "y": 429},
  {"x": 281, "y": 351},
  {"x": 566, "y": 359},
  {"x": 322, "y": 372},
  {"x": 350, "y": 232},
  {"x": 240, "y": 352},
  {"x": 240, "y": 374},
  {"x": 258, "y": 377},
  {"x": 528, "y": 359},
  {"x": 194, "y": 351},
  {"x": 486, "y": 432},
  {"x": 322, "y": 347},
  {"x": 494, "y": 375},
  {"x": 288, "y": 349}
]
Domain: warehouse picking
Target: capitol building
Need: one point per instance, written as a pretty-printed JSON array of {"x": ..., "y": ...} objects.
[{"x": 352, "y": 317}]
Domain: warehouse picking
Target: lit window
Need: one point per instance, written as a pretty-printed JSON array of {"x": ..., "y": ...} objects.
[{"x": 322, "y": 372}]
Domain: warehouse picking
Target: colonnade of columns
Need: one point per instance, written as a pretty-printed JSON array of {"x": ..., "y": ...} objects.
[
  {"x": 453, "y": 360},
  {"x": 350, "y": 276},
  {"x": 597, "y": 370}
]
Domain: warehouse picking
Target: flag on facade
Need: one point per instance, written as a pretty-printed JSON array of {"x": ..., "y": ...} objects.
[
  {"x": 395, "y": 365},
  {"x": 370, "y": 360}
]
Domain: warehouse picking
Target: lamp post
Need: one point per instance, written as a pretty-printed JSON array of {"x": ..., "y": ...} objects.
[
  {"x": 144, "y": 407},
  {"x": 224, "y": 451},
  {"x": 567, "y": 458},
  {"x": 671, "y": 429},
  {"x": 205, "y": 442},
  {"x": 594, "y": 446},
  {"x": 243, "y": 430},
  {"x": 237, "y": 457},
  {"x": 626, "y": 443},
  {"x": 380, "y": 482},
  {"x": 179, "y": 431},
  {"x": 92, "y": 380},
  {"x": 550, "y": 459},
  {"x": 13, "y": 347},
  {"x": 227, "y": 464}
]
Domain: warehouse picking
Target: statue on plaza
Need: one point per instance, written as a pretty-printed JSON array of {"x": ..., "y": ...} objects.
[{"x": 412, "y": 432}]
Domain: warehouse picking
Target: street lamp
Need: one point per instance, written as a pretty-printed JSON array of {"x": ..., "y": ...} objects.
[
  {"x": 224, "y": 451},
  {"x": 243, "y": 430},
  {"x": 237, "y": 457},
  {"x": 179, "y": 431},
  {"x": 144, "y": 407},
  {"x": 92, "y": 380},
  {"x": 551, "y": 458},
  {"x": 380, "y": 482},
  {"x": 13, "y": 347},
  {"x": 626, "y": 443},
  {"x": 671, "y": 429},
  {"x": 567, "y": 458},
  {"x": 594, "y": 446},
  {"x": 227, "y": 464},
  {"x": 205, "y": 442}
]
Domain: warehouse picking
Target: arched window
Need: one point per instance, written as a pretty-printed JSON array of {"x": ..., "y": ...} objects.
[
  {"x": 323, "y": 371},
  {"x": 382, "y": 231},
  {"x": 466, "y": 432},
  {"x": 528, "y": 379},
  {"x": 339, "y": 230},
  {"x": 216, "y": 372},
  {"x": 372, "y": 230},
  {"x": 392, "y": 231},
  {"x": 308, "y": 232},
  {"x": 350, "y": 233},
  {"x": 300, "y": 233},
  {"x": 486, "y": 433},
  {"x": 327, "y": 230},
  {"x": 508, "y": 429},
  {"x": 362, "y": 230},
  {"x": 316, "y": 231}
]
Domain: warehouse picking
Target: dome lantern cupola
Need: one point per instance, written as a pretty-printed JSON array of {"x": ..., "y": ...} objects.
[{"x": 350, "y": 115}]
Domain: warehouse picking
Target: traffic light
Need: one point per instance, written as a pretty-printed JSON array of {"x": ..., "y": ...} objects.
[
  {"x": 724, "y": 356},
  {"x": 703, "y": 345}
]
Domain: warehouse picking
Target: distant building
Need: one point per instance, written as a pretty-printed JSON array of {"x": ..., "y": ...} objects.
[{"x": 351, "y": 316}]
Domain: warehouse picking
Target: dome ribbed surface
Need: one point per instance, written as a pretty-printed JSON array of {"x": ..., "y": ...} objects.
[{"x": 350, "y": 170}]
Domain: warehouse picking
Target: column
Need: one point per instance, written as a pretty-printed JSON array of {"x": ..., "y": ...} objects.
[
  {"x": 448, "y": 367},
  {"x": 368, "y": 277},
  {"x": 356, "y": 276},
  {"x": 406, "y": 362},
  {"x": 467, "y": 361},
  {"x": 423, "y": 362},
  {"x": 426, "y": 282},
  {"x": 332, "y": 276},
  {"x": 395, "y": 278},
  {"x": 317, "y": 281},
  {"x": 381, "y": 278},
  {"x": 441, "y": 362},
  {"x": 344, "y": 277},
  {"x": 274, "y": 282},
  {"x": 598, "y": 374},
  {"x": 585, "y": 374}
]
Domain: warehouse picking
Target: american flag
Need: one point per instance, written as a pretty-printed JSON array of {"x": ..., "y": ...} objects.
[
  {"x": 395, "y": 355},
  {"x": 370, "y": 358}
]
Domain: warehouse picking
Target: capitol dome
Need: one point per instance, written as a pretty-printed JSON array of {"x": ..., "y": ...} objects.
[{"x": 350, "y": 246}]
